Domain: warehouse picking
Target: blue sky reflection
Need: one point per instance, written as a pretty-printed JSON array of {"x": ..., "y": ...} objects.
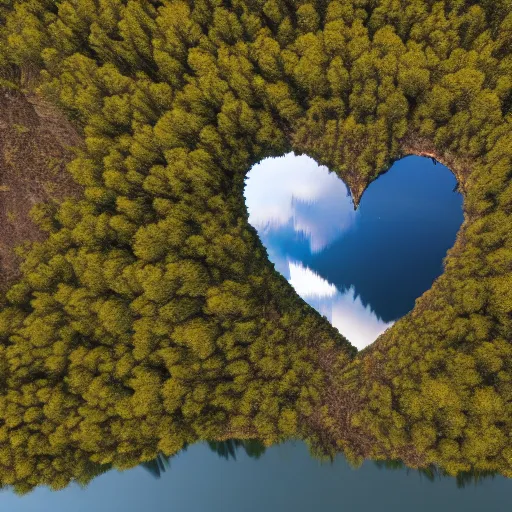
[{"x": 295, "y": 190}]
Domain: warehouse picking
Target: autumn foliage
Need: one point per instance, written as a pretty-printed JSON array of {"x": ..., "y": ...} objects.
[{"x": 151, "y": 317}]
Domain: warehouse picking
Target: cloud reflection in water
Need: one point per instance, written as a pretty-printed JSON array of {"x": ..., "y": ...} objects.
[
  {"x": 345, "y": 310},
  {"x": 296, "y": 189},
  {"x": 293, "y": 193}
]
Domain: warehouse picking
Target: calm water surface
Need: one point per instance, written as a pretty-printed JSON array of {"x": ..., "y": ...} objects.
[
  {"x": 362, "y": 269},
  {"x": 284, "y": 479}
]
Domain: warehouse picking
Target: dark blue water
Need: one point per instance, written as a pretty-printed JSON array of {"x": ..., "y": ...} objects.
[
  {"x": 365, "y": 270},
  {"x": 407, "y": 221}
]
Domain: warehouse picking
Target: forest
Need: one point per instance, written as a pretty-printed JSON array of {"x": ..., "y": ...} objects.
[{"x": 148, "y": 316}]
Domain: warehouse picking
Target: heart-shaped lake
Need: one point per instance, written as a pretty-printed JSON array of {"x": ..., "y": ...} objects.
[{"x": 362, "y": 269}]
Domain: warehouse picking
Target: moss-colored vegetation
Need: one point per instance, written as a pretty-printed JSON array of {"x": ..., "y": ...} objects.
[{"x": 151, "y": 318}]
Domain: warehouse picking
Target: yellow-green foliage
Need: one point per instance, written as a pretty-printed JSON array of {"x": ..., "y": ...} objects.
[{"x": 151, "y": 318}]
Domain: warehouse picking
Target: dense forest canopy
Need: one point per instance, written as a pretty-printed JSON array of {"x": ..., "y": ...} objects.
[{"x": 150, "y": 317}]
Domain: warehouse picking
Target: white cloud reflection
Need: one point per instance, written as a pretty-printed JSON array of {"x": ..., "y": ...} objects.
[
  {"x": 308, "y": 283},
  {"x": 344, "y": 310},
  {"x": 296, "y": 189}
]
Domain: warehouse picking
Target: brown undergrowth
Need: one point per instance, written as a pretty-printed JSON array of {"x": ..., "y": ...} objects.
[{"x": 36, "y": 143}]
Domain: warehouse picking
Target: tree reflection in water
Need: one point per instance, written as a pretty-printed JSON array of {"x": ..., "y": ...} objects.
[
  {"x": 433, "y": 473},
  {"x": 255, "y": 449},
  {"x": 225, "y": 449}
]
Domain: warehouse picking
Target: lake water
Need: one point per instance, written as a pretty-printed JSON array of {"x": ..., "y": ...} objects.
[
  {"x": 362, "y": 269},
  {"x": 284, "y": 479}
]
